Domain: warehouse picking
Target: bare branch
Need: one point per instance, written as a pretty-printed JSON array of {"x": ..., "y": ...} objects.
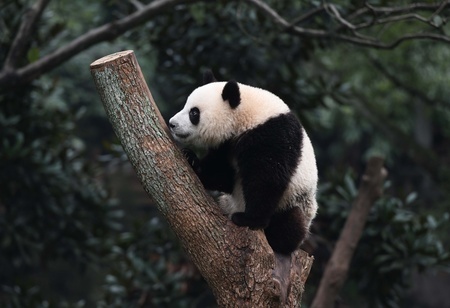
[
  {"x": 307, "y": 15},
  {"x": 331, "y": 8},
  {"x": 103, "y": 33},
  {"x": 137, "y": 4},
  {"x": 439, "y": 10},
  {"x": 404, "y": 17},
  {"x": 374, "y": 11},
  {"x": 356, "y": 38},
  {"x": 11, "y": 75},
  {"x": 266, "y": 9},
  {"x": 19, "y": 45},
  {"x": 395, "y": 19},
  {"x": 408, "y": 8},
  {"x": 418, "y": 36},
  {"x": 404, "y": 11}
]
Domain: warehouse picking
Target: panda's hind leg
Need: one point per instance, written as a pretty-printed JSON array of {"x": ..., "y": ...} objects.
[{"x": 286, "y": 231}]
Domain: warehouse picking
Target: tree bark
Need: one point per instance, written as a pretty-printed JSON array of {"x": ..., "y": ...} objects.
[
  {"x": 337, "y": 267},
  {"x": 238, "y": 264}
]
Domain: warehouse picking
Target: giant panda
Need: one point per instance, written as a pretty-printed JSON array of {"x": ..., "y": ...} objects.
[{"x": 257, "y": 155}]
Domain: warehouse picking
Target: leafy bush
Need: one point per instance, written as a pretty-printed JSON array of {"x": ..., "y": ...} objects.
[
  {"x": 51, "y": 204},
  {"x": 396, "y": 243}
]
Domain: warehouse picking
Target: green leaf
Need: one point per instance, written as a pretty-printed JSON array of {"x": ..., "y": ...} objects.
[{"x": 33, "y": 54}]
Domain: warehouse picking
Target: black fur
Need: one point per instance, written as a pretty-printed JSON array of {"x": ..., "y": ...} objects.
[
  {"x": 231, "y": 93},
  {"x": 192, "y": 159},
  {"x": 194, "y": 116},
  {"x": 208, "y": 77},
  {"x": 215, "y": 171},
  {"x": 286, "y": 230},
  {"x": 266, "y": 156}
]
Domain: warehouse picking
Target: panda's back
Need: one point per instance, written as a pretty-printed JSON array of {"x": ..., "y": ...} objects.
[{"x": 256, "y": 108}]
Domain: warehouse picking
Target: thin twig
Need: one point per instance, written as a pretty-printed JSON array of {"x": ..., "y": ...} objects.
[
  {"x": 335, "y": 13},
  {"x": 396, "y": 19},
  {"x": 407, "y": 8},
  {"x": 357, "y": 40},
  {"x": 404, "y": 11},
  {"x": 137, "y": 4},
  {"x": 439, "y": 10},
  {"x": 307, "y": 15}
]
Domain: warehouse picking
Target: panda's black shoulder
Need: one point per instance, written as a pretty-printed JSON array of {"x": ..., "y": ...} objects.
[
  {"x": 282, "y": 128},
  {"x": 280, "y": 138}
]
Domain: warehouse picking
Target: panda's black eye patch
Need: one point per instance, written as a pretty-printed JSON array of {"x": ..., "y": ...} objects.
[{"x": 194, "y": 115}]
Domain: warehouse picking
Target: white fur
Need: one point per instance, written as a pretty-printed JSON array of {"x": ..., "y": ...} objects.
[{"x": 304, "y": 181}]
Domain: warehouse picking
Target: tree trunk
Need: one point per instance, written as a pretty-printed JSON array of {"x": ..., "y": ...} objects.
[{"x": 238, "y": 264}]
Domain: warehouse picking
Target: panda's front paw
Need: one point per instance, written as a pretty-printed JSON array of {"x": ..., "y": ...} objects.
[
  {"x": 244, "y": 220},
  {"x": 191, "y": 158}
]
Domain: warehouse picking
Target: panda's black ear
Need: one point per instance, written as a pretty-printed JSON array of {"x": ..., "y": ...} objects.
[
  {"x": 231, "y": 93},
  {"x": 208, "y": 76}
]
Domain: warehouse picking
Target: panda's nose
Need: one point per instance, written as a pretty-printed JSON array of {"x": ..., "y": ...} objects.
[{"x": 172, "y": 124}]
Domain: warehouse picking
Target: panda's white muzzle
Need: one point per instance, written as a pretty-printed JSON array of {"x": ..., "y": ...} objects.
[{"x": 177, "y": 130}]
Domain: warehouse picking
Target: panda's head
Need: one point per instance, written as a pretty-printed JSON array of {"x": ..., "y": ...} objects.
[
  {"x": 219, "y": 111},
  {"x": 208, "y": 117}
]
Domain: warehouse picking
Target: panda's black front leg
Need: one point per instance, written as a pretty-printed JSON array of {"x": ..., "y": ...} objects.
[
  {"x": 263, "y": 184},
  {"x": 261, "y": 195},
  {"x": 214, "y": 170},
  {"x": 261, "y": 200}
]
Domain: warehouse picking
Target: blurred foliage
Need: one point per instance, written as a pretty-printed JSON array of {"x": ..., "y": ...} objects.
[
  {"x": 58, "y": 151},
  {"x": 150, "y": 270},
  {"x": 397, "y": 242},
  {"x": 52, "y": 204},
  {"x": 235, "y": 43}
]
